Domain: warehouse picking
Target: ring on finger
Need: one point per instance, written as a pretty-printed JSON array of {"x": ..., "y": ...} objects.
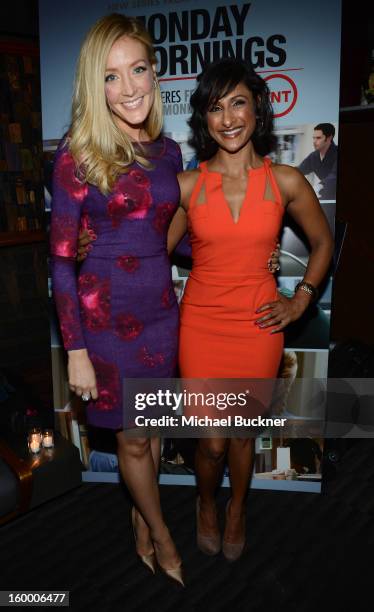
[{"x": 86, "y": 396}]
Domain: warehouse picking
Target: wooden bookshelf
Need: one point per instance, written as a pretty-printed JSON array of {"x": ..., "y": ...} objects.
[{"x": 21, "y": 157}]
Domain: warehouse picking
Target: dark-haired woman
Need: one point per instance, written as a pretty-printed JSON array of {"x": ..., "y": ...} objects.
[{"x": 232, "y": 315}]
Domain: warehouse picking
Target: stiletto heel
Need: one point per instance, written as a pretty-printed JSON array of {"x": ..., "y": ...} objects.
[{"x": 148, "y": 560}]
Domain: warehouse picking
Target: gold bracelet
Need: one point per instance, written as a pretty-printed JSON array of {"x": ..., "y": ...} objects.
[{"x": 308, "y": 288}]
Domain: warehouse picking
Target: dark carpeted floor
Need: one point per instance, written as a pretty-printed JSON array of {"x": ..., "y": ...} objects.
[{"x": 305, "y": 551}]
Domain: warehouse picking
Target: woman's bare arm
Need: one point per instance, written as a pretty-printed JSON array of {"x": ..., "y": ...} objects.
[
  {"x": 304, "y": 207},
  {"x": 177, "y": 229},
  {"x": 178, "y": 225}
]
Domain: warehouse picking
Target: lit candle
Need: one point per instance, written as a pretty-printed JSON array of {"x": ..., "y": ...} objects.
[
  {"x": 35, "y": 440},
  {"x": 35, "y": 446},
  {"x": 48, "y": 439}
]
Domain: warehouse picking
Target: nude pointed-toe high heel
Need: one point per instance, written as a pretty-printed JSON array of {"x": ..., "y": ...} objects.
[
  {"x": 149, "y": 560},
  {"x": 175, "y": 573}
]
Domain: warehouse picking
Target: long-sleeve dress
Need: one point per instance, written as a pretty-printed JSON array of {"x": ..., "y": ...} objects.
[{"x": 120, "y": 304}]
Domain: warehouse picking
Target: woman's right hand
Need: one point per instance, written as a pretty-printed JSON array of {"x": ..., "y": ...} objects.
[
  {"x": 84, "y": 243},
  {"x": 82, "y": 377}
]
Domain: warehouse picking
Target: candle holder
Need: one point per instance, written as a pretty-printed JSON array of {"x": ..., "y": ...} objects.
[
  {"x": 47, "y": 438},
  {"x": 34, "y": 440}
]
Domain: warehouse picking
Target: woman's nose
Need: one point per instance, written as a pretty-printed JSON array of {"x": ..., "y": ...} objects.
[
  {"x": 128, "y": 86},
  {"x": 226, "y": 117}
]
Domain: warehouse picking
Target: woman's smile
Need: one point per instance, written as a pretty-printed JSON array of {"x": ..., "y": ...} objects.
[
  {"x": 232, "y": 133},
  {"x": 231, "y": 120}
]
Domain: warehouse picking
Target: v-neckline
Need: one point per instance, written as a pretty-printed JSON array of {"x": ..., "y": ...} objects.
[
  {"x": 227, "y": 206},
  {"x": 226, "y": 202}
]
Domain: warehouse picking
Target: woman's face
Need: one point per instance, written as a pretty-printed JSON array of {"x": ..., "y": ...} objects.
[
  {"x": 129, "y": 87},
  {"x": 231, "y": 121}
]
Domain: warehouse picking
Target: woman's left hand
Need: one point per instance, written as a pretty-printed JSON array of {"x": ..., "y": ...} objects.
[
  {"x": 273, "y": 261},
  {"x": 282, "y": 311}
]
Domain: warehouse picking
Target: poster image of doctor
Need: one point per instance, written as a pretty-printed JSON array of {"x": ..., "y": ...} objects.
[{"x": 302, "y": 73}]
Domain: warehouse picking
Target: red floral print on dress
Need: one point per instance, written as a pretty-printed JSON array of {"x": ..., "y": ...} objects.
[
  {"x": 67, "y": 179},
  {"x": 108, "y": 384},
  {"x": 163, "y": 216},
  {"x": 140, "y": 178},
  {"x": 131, "y": 198},
  {"x": 94, "y": 297},
  {"x": 168, "y": 297},
  {"x": 63, "y": 236},
  {"x": 151, "y": 360},
  {"x": 68, "y": 324},
  {"x": 128, "y": 263},
  {"x": 128, "y": 327}
]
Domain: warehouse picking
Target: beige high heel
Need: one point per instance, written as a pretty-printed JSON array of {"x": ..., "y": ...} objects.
[
  {"x": 175, "y": 573},
  {"x": 233, "y": 550},
  {"x": 148, "y": 560}
]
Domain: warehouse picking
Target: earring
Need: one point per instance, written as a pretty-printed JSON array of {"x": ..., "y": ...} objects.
[{"x": 155, "y": 83}]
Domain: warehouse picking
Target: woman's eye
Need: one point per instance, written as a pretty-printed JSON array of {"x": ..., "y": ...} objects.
[
  {"x": 239, "y": 102},
  {"x": 214, "y": 109},
  {"x": 110, "y": 77},
  {"x": 139, "y": 69}
]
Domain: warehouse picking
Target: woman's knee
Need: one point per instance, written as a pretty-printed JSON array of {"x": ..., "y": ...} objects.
[
  {"x": 136, "y": 447},
  {"x": 242, "y": 443},
  {"x": 213, "y": 449}
]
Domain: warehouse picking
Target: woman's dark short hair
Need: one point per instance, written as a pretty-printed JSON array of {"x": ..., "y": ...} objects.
[{"x": 216, "y": 81}]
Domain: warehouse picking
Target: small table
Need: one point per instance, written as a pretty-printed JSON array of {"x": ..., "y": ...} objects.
[{"x": 44, "y": 475}]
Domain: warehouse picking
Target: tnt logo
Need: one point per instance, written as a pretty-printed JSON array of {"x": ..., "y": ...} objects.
[{"x": 283, "y": 93}]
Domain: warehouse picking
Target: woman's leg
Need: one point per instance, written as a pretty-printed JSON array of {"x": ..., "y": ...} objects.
[
  {"x": 138, "y": 471},
  {"x": 143, "y": 536},
  {"x": 209, "y": 464},
  {"x": 156, "y": 453},
  {"x": 240, "y": 460}
]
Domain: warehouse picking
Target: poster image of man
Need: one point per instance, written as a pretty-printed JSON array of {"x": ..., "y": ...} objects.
[{"x": 323, "y": 161}]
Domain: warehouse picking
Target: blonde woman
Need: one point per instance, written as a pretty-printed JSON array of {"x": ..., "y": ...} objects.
[{"x": 116, "y": 176}]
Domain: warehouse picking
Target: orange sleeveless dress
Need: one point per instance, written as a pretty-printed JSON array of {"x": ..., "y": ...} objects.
[{"x": 230, "y": 280}]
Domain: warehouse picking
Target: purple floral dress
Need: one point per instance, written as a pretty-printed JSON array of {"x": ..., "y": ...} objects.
[{"x": 120, "y": 304}]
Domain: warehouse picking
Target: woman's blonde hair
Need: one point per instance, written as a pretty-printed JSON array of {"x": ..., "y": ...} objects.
[{"x": 101, "y": 150}]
